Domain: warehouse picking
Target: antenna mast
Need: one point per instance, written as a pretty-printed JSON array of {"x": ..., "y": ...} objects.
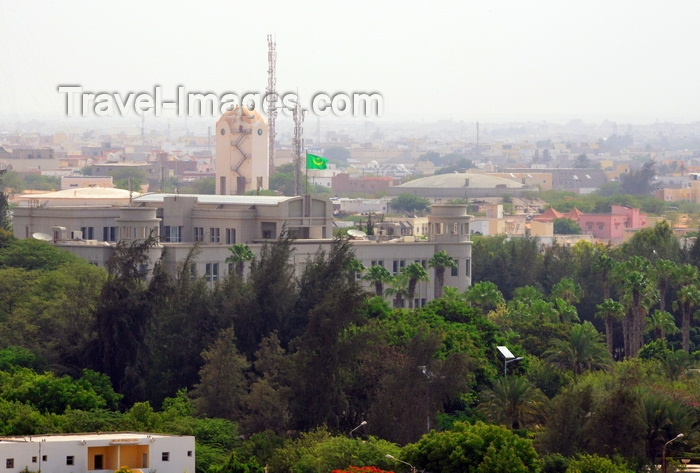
[
  {"x": 271, "y": 99},
  {"x": 297, "y": 145}
]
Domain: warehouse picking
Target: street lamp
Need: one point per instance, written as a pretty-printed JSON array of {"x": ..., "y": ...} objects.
[
  {"x": 413, "y": 468},
  {"x": 364, "y": 422},
  {"x": 663, "y": 452},
  {"x": 508, "y": 357}
]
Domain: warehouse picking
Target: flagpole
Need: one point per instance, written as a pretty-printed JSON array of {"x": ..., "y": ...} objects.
[{"x": 306, "y": 163}]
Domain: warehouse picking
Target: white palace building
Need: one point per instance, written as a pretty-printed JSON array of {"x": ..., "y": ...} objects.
[
  {"x": 98, "y": 452},
  {"x": 90, "y": 230}
]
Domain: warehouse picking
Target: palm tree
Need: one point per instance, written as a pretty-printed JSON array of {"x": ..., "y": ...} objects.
[
  {"x": 414, "y": 272},
  {"x": 378, "y": 275},
  {"x": 568, "y": 290},
  {"x": 582, "y": 350},
  {"x": 610, "y": 310},
  {"x": 240, "y": 253},
  {"x": 661, "y": 323},
  {"x": 512, "y": 401},
  {"x": 688, "y": 299},
  {"x": 605, "y": 266},
  {"x": 398, "y": 287},
  {"x": 441, "y": 261},
  {"x": 638, "y": 295},
  {"x": 665, "y": 272},
  {"x": 485, "y": 295}
]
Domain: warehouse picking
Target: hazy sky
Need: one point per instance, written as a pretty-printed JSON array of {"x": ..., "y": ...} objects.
[{"x": 628, "y": 61}]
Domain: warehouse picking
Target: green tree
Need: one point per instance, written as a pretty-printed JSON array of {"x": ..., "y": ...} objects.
[
  {"x": 661, "y": 323},
  {"x": 240, "y": 253},
  {"x": 610, "y": 311},
  {"x": 484, "y": 295},
  {"x": 409, "y": 203},
  {"x": 122, "y": 318},
  {"x": 398, "y": 287},
  {"x": 378, "y": 276},
  {"x": 482, "y": 448},
  {"x": 414, "y": 272},
  {"x": 582, "y": 350},
  {"x": 584, "y": 463},
  {"x": 441, "y": 261},
  {"x": 222, "y": 379},
  {"x": 688, "y": 298},
  {"x": 568, "y": 290},
  {"x": 566, "y": 226},
  {"x": 129, "y": 178},
  {"x": 514, "y": 402}
]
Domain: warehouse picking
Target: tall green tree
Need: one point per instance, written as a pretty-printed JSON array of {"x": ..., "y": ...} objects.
[
  {"x": 414, "y": 272},
  {"x": 610, "y": 311},
  {"x": 441, "y": 261},
  {"x": 222, "y": 379},
  {"x": 122, "y": 318},
  {"x": 378, "y": 276}
]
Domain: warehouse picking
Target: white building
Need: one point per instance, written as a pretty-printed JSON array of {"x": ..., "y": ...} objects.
[
  {"x": 98, "y": 452},
  {"x": 216, "y": 222}
]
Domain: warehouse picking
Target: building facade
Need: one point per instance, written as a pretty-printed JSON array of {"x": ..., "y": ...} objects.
[
  {"x": 96, "y": 452},
  {"x": 215, "y": 222}
]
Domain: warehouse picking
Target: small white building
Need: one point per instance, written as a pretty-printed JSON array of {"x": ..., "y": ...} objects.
[{"x": 98, "y": 452}]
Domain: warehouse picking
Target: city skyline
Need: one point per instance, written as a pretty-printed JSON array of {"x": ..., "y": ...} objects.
[{"x": 544, "y": 60}]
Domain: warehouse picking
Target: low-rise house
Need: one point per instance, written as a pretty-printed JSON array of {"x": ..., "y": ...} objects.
[{"x": 95, "y": 452}]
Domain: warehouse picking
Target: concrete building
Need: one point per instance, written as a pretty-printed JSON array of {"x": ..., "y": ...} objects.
[
  {"x": 216, "y": 222},
  {"x": 242, "y": 161},
  {"x": 90, "y": 452}
]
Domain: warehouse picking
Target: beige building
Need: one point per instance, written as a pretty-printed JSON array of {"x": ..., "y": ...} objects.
[
  {"x": 216, "y": 222},
  {"x": 242, "y": 161}
]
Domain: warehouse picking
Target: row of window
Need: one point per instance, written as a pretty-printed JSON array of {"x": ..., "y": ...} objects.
[
  {"x": 70, "y": 459},
  {"x": 173, "y": 234}
]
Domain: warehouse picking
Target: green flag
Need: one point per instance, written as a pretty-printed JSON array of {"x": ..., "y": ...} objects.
[{"x": 316, "y": 162}]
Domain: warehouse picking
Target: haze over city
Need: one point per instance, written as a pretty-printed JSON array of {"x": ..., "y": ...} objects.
[{"x": 542, "y": 60}]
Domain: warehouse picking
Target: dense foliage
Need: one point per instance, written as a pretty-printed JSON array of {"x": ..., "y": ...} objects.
[{"x": 311, "y": 372}]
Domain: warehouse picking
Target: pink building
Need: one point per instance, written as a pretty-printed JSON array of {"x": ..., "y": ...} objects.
[{"x": 612, "y": 226}]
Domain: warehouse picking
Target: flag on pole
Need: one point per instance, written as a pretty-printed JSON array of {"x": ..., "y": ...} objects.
[{"x": 316, "y": 162}]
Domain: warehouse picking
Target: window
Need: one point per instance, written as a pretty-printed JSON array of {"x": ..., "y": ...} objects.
[
  {"x": 109, "y": 234},
  {"x": 44, "y": 458},
  {"x": 10, "y": 463},
  {"x": 34, "y": 459},
  {"x": 454, "y": 269},
  {"x": 230, "y": 236},
  {"x": 402, "y": 264},
  {"x": 214, "y": 235},
  {"x": 173, "y": 234},
  {"x": 395, "y": 267},
  {"x": 198, "y": 233},
  {"x": 88, "y": 233},
  {"x": 211, "y": 272},
  {"x": 600, "y": 226},
  {"x": 189, "y": 453},
  {"x": 166, "y": 456},
  {"x": 467, "y": 270},
  {"x": 70, "y": 460}
]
